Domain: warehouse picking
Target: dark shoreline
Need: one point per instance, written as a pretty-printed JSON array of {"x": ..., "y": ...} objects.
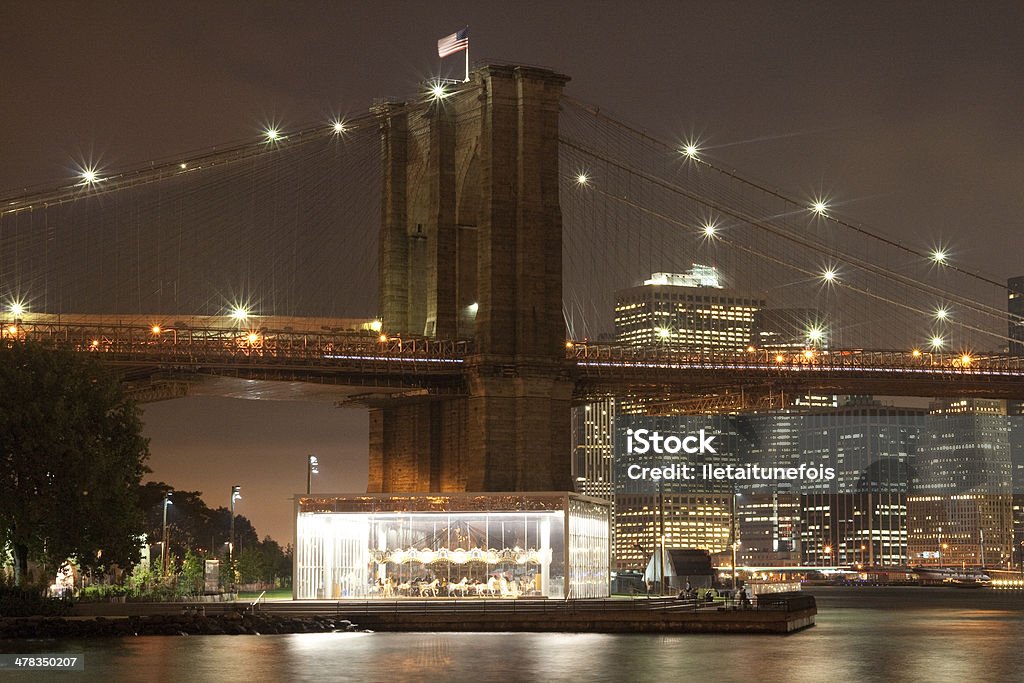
[
  {"x": 783, "y": 614},
  {"x": 229, "y": 623}
]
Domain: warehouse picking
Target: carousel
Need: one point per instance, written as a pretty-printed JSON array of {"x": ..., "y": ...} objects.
[{"x": 393, "y": 546}]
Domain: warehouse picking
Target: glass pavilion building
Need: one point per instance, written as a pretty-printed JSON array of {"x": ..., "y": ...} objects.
[{"x": 510, "y": 545}]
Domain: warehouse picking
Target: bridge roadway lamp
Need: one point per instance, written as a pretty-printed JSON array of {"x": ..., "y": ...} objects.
[
  {"x": 163, "y": 539},
  {"x": 312, "y": 467},
  {"x": 236, "y": 494}
]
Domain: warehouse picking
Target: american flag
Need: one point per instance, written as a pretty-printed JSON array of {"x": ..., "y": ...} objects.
[{"x": 456, "y": 42}]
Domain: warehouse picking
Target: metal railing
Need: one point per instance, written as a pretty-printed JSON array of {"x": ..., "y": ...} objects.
[
  {"x": 799, "y": 360},
  {"x": 241, "y": 346}
]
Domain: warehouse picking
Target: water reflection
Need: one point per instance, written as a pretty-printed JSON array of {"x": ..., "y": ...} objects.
[{"x": 907, "y": 634}]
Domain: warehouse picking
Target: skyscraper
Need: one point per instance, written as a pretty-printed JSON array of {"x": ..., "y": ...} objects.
[
  {"x": 690, "y": 311},
  {"x": 593, "y": 456},
  {"x": 960, "y": 507},
  {"x": 860, "y": 517}
]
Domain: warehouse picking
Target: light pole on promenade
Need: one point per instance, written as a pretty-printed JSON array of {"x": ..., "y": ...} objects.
[
  {"x": 236, "y": 494},
  {"x": 312, "y": 467},
  {"x": 163, "y": 541}
]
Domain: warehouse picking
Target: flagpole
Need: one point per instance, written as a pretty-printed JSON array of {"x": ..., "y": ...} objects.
[{"x": 467, "y": 61}]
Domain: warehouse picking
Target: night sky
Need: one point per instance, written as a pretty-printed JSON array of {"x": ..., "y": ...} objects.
[{"x": 909, "y": 118}]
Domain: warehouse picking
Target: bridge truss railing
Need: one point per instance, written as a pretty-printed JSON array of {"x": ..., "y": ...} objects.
[
  {"x": 239, "y": 345},
  {"x": 838, "y": 360}
]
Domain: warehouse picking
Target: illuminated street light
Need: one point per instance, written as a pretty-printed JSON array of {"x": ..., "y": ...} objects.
[
  {"x": 338, "y": 126},
  {"x": 663, "y": 333},
  {"x": 815, "y": 334},
  {"x": 916, "y": 353},
  {"x": 236, "y": 494},
  {"x": 937, "y": 342},
  {"x": 941, "y": 313},
  {"x": 808, "y": 354},
  {"x": 965, "y": 359},
  {"x": 382, "y": 338},
  {"x": 376, "y": 325},
  {"x": 272, "y": 134},
  {"x": 252, "y": 338},
  {"x": 313, "y": 467},
  {"x": 710, "y": 229},
  {"x": 239, "y": 313},
  {"x": 819, "y": 207},
  {"x": 89, "y": 175},
  {"x": 438, "y": 92},
  {"x": 828, "y": 275},
  {"x": 155, "y": 329},
  {"x": 779, "y": 358},
  {"x": 582, "y": 178},
  {"x": 163, "y": 542},
  {"x": 17, "y": 309},
  {"x": 939, "y": 256},
  {"x": 690, "y": 150}
]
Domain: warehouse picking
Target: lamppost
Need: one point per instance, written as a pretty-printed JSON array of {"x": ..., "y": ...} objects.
[
  {"x": 661, "y": 533},
  {"x": 163, "y": 541},
  {"x": 733, "y": 536},
  {"x": 236, "y": 494},
  {"x": 312, "y": 468}
]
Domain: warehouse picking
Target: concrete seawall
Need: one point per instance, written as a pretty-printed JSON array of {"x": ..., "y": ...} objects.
[
  {"x": 781, "y": 613},
  {"x": 728, "y": 621},
  {"x": 775, "y": 614}
]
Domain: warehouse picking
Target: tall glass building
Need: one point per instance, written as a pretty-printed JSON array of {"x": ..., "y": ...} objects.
[
  {"x": 860, "y": 517},
  {"x": 960, "y": 511}
]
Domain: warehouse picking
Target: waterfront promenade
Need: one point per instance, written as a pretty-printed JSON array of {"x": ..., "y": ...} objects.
[{"x": 784, "y": 614}]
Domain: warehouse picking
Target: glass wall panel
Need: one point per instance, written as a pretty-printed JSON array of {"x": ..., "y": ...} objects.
[{"x": 588, "y": 549}]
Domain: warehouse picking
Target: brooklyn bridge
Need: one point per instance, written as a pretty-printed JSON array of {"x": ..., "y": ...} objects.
[{"x": 451, "y": 261}]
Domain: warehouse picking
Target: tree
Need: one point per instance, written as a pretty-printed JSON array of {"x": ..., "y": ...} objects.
[
  {"x": 71, "y": 459},
  {"x": 251, "y": 566},
  {"x": 192, "y": 572}
]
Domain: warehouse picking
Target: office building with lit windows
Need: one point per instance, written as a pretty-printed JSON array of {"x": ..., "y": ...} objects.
[
  {"x": 960, "y": 511},
  {"x": 593, "y": 455},
  {"x": 689, "y": 311},
  {"x": 769, "y": 529},
  {"x": 860, "y": 517},
  {"x": 694, "y": 513},
  {"x": 687, "y": 520}
]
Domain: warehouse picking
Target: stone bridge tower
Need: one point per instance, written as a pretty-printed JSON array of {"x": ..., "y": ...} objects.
[{"x": 471, "y": 247}]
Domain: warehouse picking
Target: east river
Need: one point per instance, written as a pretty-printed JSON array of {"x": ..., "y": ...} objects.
[{"x": 862, "y": 634}]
